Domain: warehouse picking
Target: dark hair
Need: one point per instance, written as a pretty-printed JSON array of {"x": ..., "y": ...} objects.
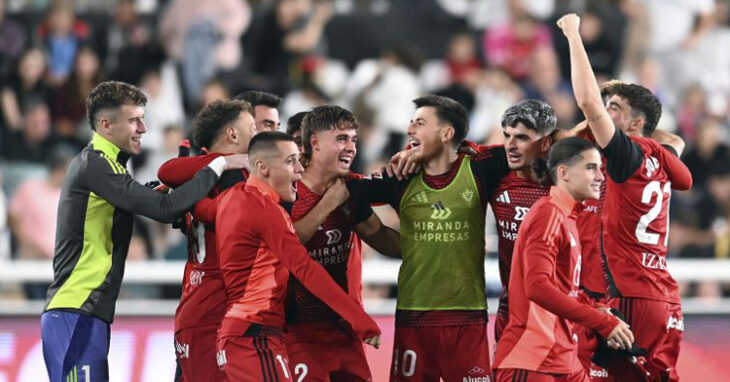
[
  {"x": 211, "y": 120},
  {"x": 534, "y": 114},
  {"x": 642, "y": 101},
  {"x": 566, "y": 151},
  {"x": 294, "y": 123},
  {"x": 256, "y": 98},
  {"x": 111, "y": 95},
  {"x": 325, "y": 118},
  {"x": 266, "y": 141},
  {"x": 448, "y": 111}
]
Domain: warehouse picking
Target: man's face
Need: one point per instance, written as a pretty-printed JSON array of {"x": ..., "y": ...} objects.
[
  {"x": 335, "y": 149},
  {"x": 298, "y": 139},
  {"x": 426, "y": 134},
  {"x": 522, "y": 146},
  {"x": 285, "y": 171},
  {"x": 245, "y": 128},
  {"x": 126, "y": 128},
  {"x": 584, "y": 178},
  {"x": 620, "y": 111},
  {"x": 267, "y": 118}
]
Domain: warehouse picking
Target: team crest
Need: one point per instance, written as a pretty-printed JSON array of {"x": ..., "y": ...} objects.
[{"x": 468, "y": 196}]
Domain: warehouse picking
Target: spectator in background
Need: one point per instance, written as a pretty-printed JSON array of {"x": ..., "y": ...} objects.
[
  {"x": 203, "y": 36},
  {"x": 691, "y": 110},
  {"x": 294, "y": 128},
  {"x": 387, "y": 87},
  {"x": 68, "y": 107},
  {"x": 292, "y": 29},
  {"x": 34, "y": 141},
  {"x": 12, "y": 43},
  {"x": 707, "y": 152},
  {"x": 4, "y": 230},
  {"x": 24, "y": 83},
  {"x": 126, "y": 42},
  {"x": 546, "y": 83},
  {"x": 214, "y": 90},
  {"x": 164, "y": 103},
  {"x": 509, "y": 46},
  {"x": 62, "y": 33},
  {"x": 33, "y": 209},
  {"x": 265, "y": 108}
]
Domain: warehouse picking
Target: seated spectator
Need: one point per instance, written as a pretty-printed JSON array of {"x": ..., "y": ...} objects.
[
  {"x": 12, "y": 42},
  {"x": 707, "y": 152},
  {"x": 124, "y": 52},
  {"x": 68, "y": 103},
  {"x": 34, "y": 140},
  {"x": 62, "y": 33},
  {"x": 33, "y": 209},
  {"x": 24, "y": 83}
]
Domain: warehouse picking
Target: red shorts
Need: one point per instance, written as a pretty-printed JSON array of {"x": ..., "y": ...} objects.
[
  {"x": 588, "y": 341},
  {"x": 452, "y": 353},
  {"x": 658, "y": 327},
  {"x": 500, "y": 322},
  {"x": 261, "y": 357},
  {"x": 509, "y": 375},
  {"x": 319, "y": 353},
  {"x": 195, "y": 349}
]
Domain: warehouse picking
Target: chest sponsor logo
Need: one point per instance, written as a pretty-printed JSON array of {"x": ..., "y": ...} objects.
[
  {"x": 440, "y": 212},
  {"x": 675, "y": 323},
  {"x": 653, "y": 261},
  {"x": 652, "y": 166},
  {"x": 504, "y": 198},
  {"x": 520, "y": 213},
  {"x": 333, "y": 236}
]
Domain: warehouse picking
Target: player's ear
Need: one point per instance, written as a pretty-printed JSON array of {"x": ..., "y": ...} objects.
[
  {"x": 261, "y": 168},
  {"x": 231, "y": 133},
  {"x": 545, "y": 144},
  {"x": 314, "y": 142},
  {"x": 447, "y": 134},
  {"x": 562, "y": 172},
  {"x": 637, "y": 125}
]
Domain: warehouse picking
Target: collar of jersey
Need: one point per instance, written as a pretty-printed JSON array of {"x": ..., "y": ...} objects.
[
  {"x": 104, "y": 145},
  {"x": 262, "y": 186},
  {"x": 563, "y": 199}
]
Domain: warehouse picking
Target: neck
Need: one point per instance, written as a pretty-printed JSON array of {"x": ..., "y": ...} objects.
[
  {"x": 442, "y": 162},
  {"x": 317, "y": 177},
  {"x": 224, "y": 148}
]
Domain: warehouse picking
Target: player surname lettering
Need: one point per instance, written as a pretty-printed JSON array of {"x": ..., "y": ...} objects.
[
  {"x": 653, "y": 261},
  {"x": 652, "y": 166},
  {"x": 598, "y": 373}
]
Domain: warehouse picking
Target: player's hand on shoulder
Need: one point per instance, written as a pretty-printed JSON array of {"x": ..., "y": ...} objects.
[
  {"x": 404, "y": 164},
  {"x": 569, "y": 24},
  {"x": 236, "y": 161}
]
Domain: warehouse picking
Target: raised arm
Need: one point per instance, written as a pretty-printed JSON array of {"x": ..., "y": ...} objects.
[{"x": 585, "y": 88}]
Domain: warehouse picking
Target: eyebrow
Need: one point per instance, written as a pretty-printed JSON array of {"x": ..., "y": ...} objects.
[
  {"x": 420, "y": 119},
  {"x": 614, "y": 103},
  {"x": 272, "y": 122}
]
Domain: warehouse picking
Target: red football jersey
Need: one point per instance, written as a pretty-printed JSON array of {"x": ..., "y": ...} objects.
[
  {"x": 336, "y": 247},
  {"x": 544, "y": 301},
  {"x": 203, "y": 300},
  {"x": 635, "y": 219},
  {"x": 511, "y": 200},
  {"x": 256, "y": 260},
  {"x": 593, "y": 274}
]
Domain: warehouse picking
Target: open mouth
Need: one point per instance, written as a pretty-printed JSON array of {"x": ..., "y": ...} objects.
[
  {"x": 345, "y": 159},
  {"x": 596, "y": 187},
  {"x": 514, "y": 157},
  {"x": 413, "y": 143}
]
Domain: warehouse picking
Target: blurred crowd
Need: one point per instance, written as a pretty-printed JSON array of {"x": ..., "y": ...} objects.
[{"x": 370, "y": 56}]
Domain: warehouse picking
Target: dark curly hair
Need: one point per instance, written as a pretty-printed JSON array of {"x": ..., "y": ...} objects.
[
  {"x": 448, "y": 111},
  {"x": 642, "y": 101},
  {"x": 210, "y": 121},
  {"x": 256, "y": 98},
  {"x": 325, "y": 118},
  {"x": 111, "y": 95},
  {"x": 534, "y": 114}
]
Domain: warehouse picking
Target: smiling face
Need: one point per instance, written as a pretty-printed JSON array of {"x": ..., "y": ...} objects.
[
  {"x": 124, "y": 128},
  {"x": 583, "y": 179},
  {"x": 267, "y": 118},
  {"x": 523, "y": 145},
  {"x": 335, "y": 149},
  {"x": 284, "y": 170},
  {"x": 427, "y": 135}
]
